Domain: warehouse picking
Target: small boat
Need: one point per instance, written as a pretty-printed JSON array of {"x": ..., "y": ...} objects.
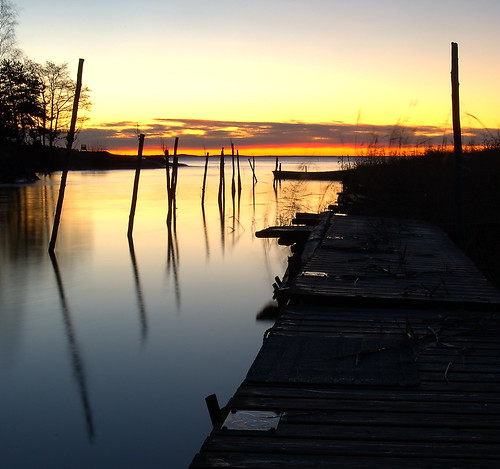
[{"x": 309, "y": 175}]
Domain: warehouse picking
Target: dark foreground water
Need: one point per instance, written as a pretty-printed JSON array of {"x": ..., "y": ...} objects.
[{"x": 108, "y": 350}]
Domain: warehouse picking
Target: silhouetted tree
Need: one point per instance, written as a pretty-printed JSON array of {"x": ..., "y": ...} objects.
[
  {"x": 20, "y": 108},
  {"x": 8, "y": 16},
  {"x": 56, "y": 98},
  {"x": 35, "y": 100}
]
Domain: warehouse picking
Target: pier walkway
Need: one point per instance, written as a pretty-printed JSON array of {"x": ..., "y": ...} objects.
[{"x": 385, "y": 354}]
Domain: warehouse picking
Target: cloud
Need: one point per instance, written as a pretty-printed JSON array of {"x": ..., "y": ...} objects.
[{"x": 209, "y": 134}]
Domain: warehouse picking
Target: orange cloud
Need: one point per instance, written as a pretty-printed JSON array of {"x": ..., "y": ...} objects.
[{"x": 272, "y": 138}]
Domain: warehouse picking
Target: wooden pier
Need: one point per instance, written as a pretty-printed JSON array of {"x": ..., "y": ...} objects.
[{"x": 385, "y": 354}]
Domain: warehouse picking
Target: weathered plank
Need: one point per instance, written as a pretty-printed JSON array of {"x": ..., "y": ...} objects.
[
  {"x": 271, "y": 461},
  {"x": 384, "y": 260},
  {"x": 368, "y": 384}
]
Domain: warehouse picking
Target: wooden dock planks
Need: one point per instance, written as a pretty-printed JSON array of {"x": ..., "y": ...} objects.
[
  {"x": 383, "y": 259},
  {"x": 360, "y": 385}
]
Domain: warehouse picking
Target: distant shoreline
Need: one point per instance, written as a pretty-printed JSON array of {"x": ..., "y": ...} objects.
[{"x": 23, "y": 163}]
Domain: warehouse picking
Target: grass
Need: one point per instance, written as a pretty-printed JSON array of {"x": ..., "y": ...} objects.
[{"x": 425, "y": 187}]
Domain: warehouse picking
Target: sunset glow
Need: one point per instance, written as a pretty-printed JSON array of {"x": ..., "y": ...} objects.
[{"x": 264, "y": 75}]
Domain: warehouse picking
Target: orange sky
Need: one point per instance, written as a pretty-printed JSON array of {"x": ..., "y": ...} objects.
[
  {"x": 271, "y": 74},
  {"x": 197, "y": 137}
]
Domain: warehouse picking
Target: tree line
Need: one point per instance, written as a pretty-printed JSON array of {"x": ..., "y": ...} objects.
[{"x": 35, "y": 99}]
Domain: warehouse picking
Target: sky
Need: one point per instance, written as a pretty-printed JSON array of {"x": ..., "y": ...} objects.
[{"x": 312, "y": 77}]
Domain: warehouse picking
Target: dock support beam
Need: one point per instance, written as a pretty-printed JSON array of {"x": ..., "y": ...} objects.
[{"x": 213, "y": 408}]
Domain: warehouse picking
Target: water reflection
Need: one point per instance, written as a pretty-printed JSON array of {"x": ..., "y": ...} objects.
[
  {"x": 292, "y": 197},
  {"x": 222, "y": 218},
  {"x": 117, "y": 306},
  {"x": 143, "y": 317},
  {"x": 74, "y": 351},
  {"x": 23, "y": 218},
  {"x": 173, "y": 252},
  {"x": 205, "y": 232}
]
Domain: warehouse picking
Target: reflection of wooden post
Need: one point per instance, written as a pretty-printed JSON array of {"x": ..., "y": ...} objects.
[
  {"x": 457, "y": 133},
  {"x": 74, "y": 349},
  {"x": 138, "y": 290},
  {"x": 136, "y": 187},
  {"x": 64, "y": 177},
  {"x": 205, "y": 231},
  {"x": 173, "y": 255}
]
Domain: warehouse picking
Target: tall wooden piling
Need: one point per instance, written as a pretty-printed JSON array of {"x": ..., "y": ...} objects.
[
  {"x": 136, "y": 187},
  {"x": 69, "y": 145},
  {"x": 172, "y": 183},
  {"x": 239, "y": 172},
  {"x": 175, "y": 168},
  {"x": 233, "y": 182},
  {"x": 457, "y": 137},
  {"x": 167, "y": 175},
  {"x": 251, "y": 162},
  {"x": 455, "y": 97},
  {"x": 175, "y": 172},
  {"x": 204, "y": 180},
  {"x": 221, "y": 194},
  {"x": 222, "y": 201}
]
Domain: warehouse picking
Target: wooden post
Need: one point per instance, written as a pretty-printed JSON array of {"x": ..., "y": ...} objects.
[
  {"x": 239, "y": 173},
  {"x": 167, "y": 175},
  {"x": 136, "y": 187},
  {"x": 457, "y": 137},
  {"x": 213, "y": 408},
  {"x": 175, "y": 172},
  {"x": 69, "y": 145},
  {"x": 233, "y": 183},
  {"x": 221, "y": 196},
  {"x": 175, "y": 168},
  {"x": 252, "y": 166},
  {"x": 172, "y": 184},
  {"x": 455, "y": 97},
  {"x": 204, "y": 180}
]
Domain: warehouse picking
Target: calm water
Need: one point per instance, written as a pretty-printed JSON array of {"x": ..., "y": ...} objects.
[{"x": 108, "y": 351}]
